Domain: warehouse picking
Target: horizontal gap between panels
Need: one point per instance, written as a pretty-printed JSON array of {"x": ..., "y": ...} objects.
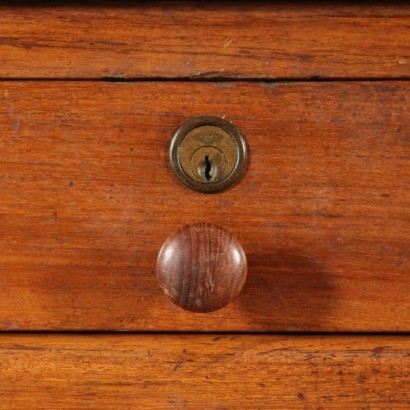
[
  {"x": 208, "y": 79},
  {"x": 199, "y": 333}
]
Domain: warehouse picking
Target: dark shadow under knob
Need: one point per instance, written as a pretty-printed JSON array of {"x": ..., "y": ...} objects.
[{"x": 201, "y": 267}]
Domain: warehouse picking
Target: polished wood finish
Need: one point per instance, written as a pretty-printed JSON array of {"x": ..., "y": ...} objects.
[
  {"x": 204, "y": 371},
  {"x": 201, "y": 267},
  {"x": 204, "y": 40},
  {"x": 87, "y": 197},
  {"x": 322, "y": 212}
]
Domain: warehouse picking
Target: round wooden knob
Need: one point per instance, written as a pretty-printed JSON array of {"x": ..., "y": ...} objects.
[{"x": 201, "y": 267}]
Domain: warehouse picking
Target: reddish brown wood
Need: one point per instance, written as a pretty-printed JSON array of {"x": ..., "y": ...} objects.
[
  {"x": 201, "y": 267},
  {"x": 205, "y": 40},
  {"x": 87, "y": 200},
  {"x": 203, "y": 371}
]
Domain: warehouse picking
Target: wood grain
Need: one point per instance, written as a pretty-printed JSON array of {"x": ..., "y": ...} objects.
[
  {"x": 204, "y": 40},
  {"x": 201, "y": 267},
  {"x": 87, "y": 199},
  {"x": 203, "y": 371}
]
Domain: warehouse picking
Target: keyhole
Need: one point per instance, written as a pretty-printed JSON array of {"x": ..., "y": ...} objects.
[{"x": 208, "y": 168}]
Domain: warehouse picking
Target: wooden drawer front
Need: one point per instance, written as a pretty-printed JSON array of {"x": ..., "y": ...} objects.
[
  {"x": 87, "y": 199},
  {"x": 205, "y": 40},
  {"x": 203, "y": 371}
]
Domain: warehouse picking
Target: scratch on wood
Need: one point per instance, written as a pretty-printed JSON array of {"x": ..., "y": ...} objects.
[
  {"x": 227, "y": 42},
  {"x": 16, "y": 125}
]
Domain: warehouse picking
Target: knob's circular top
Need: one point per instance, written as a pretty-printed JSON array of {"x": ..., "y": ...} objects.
[{"x": 201, "y": 267}]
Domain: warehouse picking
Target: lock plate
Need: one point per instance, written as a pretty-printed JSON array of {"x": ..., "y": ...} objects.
[{"x": 208, "y": 153}]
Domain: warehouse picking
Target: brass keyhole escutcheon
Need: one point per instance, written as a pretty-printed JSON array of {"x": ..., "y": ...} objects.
[{"x": 208, "y": 153}]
